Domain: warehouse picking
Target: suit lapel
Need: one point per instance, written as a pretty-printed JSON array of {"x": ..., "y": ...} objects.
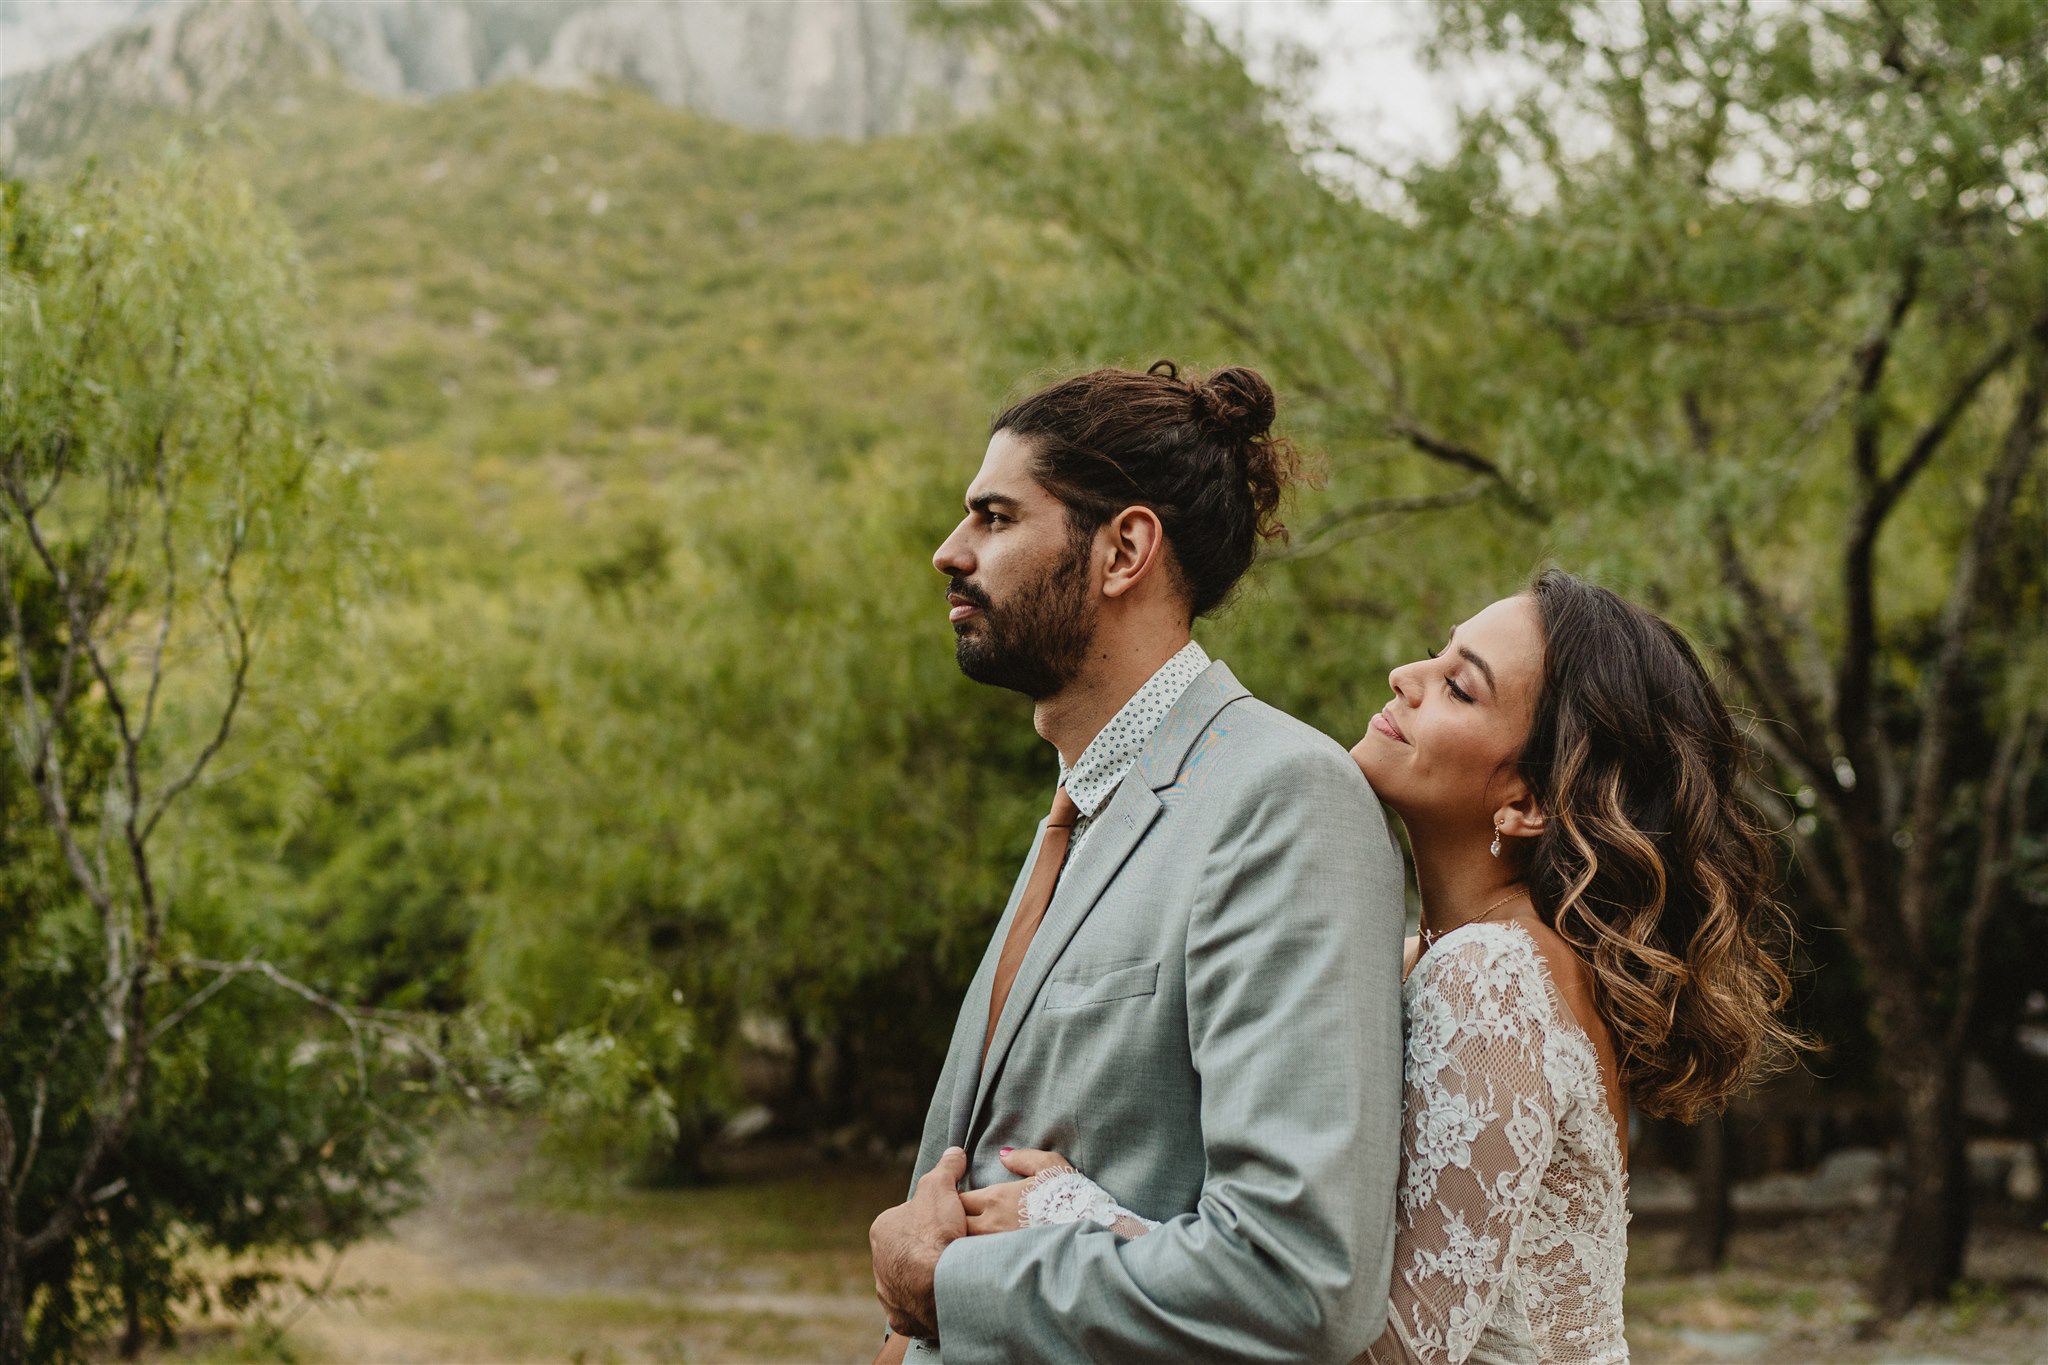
[
  {"x": 971, "y": 1029},
  {"x": 1118, "y": 828}
]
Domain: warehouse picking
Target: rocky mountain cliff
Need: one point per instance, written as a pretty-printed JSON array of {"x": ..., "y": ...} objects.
[{"x": 818, "y": 68}]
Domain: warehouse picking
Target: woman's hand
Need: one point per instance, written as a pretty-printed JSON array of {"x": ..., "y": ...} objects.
[{"x": 995, "y": 1209}]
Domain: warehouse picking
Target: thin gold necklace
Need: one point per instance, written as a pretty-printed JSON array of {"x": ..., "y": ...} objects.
[{"x": 1429, "y": 938}]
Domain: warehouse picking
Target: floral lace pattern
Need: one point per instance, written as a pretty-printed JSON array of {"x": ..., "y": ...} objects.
[
  {"x": 1061, "y": 1194},
  {"x": 1511, "y": 1238},
  {"x": 1512, "y": 1215}
]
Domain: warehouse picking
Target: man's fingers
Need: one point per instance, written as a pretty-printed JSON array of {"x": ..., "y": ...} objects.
[
  {"x": 1030, "y": 1160},
  {"x": 950, "y": 1171}
]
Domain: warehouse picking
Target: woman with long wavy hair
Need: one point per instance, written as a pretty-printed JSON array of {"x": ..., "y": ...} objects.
[{"x": 1598, "y": 933}]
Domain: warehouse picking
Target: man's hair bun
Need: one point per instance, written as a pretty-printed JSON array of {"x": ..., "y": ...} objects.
[{"x": 1238, "y": 400}]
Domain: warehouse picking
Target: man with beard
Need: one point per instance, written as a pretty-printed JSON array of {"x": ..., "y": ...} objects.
[{"x": 1194, "y": 990}]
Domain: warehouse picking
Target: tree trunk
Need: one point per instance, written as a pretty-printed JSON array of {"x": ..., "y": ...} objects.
[
  {"x": 13, "y": 1296},
  {"x": 1932, "y": 1224},
  {"x": 845, "y": 1093},
  {"x": 800, "y": 1105},
  {"x": 687, "y": 1161},
  {"x": 1706, "y": 1233},
  {"x": 133, "y": 1338}
]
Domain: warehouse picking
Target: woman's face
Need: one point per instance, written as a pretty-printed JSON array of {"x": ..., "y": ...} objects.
[{"x": 1441, "y": 754}]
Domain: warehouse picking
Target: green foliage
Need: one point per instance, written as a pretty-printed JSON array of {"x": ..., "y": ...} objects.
[
  {"x": 649, "y": 725},
  {"x": 1622, "y": 318},
  {"x": 1744, "y": 311},
  {"x": 644, "y": 736},
  {"x": 166, "y": 500}
]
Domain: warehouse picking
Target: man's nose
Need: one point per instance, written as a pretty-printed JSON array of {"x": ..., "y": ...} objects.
[{"x": 952, "y": 558}]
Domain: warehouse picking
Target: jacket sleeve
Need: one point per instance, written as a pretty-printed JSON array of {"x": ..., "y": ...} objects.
[{"x": 1293, "y": 962}]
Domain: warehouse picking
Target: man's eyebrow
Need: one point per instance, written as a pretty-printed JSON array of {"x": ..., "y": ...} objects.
[
  {"x": 1479, "y": 664},
  {"x": 987, "y": 500}
]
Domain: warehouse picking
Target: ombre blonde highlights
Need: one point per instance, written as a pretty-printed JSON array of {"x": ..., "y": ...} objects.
[{"x": 1651, "y": 865}]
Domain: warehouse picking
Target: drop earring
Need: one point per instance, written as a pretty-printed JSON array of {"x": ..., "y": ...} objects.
[{"x": 1495, "y": 848}]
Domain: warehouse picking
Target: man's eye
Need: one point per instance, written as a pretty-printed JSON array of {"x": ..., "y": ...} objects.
[{"x": 996, "y": 518}]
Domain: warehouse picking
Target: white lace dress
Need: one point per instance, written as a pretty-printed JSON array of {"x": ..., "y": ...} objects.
[{"x": 1512, "y": 1215}]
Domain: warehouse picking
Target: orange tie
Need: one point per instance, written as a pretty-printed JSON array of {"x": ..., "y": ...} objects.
[{"x": 1045, "y": 875}]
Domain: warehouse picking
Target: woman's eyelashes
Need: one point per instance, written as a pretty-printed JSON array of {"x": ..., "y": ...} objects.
[{"x": 1452, "y": 683}]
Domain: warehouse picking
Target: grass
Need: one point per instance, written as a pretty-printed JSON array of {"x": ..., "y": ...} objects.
[
  {"x": 1796, "y": 1293},
  {"x": 512, "y": 1262}
]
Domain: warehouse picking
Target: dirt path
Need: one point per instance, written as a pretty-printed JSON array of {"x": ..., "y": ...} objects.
[
  {"x": 501, "y": 1266},
  {"x": 505, "y": 1263}
]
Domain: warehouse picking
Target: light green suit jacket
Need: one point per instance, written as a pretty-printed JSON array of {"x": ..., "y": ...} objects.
[{"x": 1208, "y": 1023}]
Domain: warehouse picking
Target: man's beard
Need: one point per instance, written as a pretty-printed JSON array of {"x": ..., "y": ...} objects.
[{"x": 1036, "y": 641}]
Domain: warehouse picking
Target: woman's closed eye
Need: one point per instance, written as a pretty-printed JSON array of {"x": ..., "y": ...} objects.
[{"x": 1460, "y": 693}]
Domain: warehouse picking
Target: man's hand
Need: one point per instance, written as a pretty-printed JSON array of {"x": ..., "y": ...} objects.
[{"x": 906, "y": 1242}]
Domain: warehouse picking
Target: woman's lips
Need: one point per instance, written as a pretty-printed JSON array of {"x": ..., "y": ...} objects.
[{"x": 1384, "y": 723}]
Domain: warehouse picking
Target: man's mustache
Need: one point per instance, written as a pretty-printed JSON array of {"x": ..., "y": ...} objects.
[{"x": 960, "y": 587}]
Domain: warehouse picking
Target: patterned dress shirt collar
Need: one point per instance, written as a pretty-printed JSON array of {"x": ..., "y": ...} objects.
[{"x": 1109, "y": 756}]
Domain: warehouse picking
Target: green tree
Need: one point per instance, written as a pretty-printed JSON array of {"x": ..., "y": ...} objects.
[
  {"x": 1745, "y": 309},
  {"x": 652, "y": 731},
  {"x": 163, "y": 495}
]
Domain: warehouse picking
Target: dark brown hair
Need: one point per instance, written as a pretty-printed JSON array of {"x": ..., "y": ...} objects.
[
  {"x": 1651, "y": 864},
  {"x": 1199, "y": 452}
]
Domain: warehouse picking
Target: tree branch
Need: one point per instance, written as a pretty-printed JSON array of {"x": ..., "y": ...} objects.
[
  {"x": 1938, "y": 703},
  {"x": 1678, "y": 310},
  {"x": 1870, "y": 361},
  {"x": 1757, "y": 651},
  {"x": 355, "y": 1018},
  {"x": 46, "y": 770},
  {"x": 1348, "y": 523},
  {"x": 1401, "y": 427},
  {"x": 42, "y": 1094},
  {"x": 1859, "y": 592},
  {"x": 235, "y": 626},
  {"x": 1938, "y": 427},
  {"x": 2004, "y": 819},
  {"x": 358, "y": 1021}
]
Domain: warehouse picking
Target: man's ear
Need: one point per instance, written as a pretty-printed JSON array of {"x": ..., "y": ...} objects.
[{"x": 1136, "y": 545}]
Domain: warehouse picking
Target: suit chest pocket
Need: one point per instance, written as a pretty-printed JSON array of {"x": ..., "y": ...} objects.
[{"x": 1098, "y": 987}]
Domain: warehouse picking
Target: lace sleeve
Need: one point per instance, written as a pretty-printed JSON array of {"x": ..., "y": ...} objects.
[
  {"x": 1479, "y": 1122},
  {"x": 1061, "y": 1194}
]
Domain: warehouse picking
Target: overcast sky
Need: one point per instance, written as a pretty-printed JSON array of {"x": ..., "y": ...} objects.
[{"x": 1371, "y": 85}]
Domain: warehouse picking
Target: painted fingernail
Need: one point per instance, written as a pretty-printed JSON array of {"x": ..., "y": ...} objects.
[{"x": 1008, "y": 1150}]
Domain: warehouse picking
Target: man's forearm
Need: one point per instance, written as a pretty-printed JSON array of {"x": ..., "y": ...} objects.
[{"x": 1191, "y": 1290}]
